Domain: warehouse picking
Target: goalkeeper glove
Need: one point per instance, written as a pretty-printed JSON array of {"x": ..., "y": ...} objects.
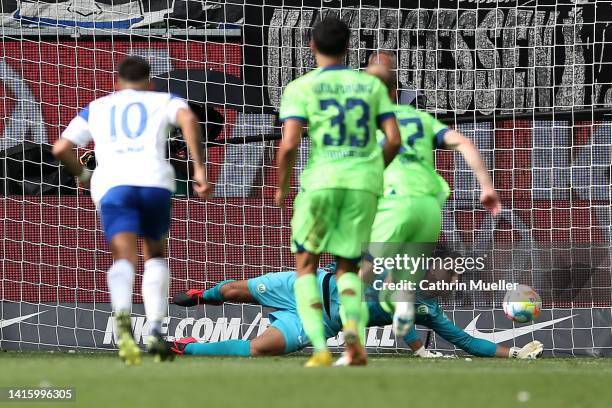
[
  {"x": 88, "y": 160},
  {"x": 529, "y": 351},
  {"x": 424, "y": 353}
]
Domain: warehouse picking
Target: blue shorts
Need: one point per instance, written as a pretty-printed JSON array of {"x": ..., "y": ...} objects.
[
  {"x": 144, "y": 211},
  {"x": 275, "y": 290}
]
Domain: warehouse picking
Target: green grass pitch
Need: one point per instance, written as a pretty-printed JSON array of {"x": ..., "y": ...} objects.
[{"x": 101, "y": 380}]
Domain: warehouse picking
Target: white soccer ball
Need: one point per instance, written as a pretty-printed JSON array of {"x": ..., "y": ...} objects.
[{"x": 522, "y": 304}]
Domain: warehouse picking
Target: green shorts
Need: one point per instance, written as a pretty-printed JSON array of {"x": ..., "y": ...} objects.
[
  {"x": 407, "y": 219},
  {"x": 337, "y": 221},
  {"x": 408, "y": 226}
]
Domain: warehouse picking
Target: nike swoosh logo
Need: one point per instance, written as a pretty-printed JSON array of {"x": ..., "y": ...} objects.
[
  {"x": 6, "y": 323},
  {"x": 509, "y": 334},
  {"x": 251, "y": 327}
]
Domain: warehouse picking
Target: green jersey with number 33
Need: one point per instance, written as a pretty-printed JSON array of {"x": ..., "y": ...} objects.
[
  {"x": 342, "y": 108},
  {"x": 413, "y": 172}
]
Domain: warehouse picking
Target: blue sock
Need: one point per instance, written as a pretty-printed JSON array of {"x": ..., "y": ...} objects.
[
  {"x": 222, "y": 348},
  {"x": 214, "y": 294}
]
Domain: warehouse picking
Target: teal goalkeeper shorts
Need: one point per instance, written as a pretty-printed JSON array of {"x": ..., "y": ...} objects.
[{"x": 275, "y": 290}]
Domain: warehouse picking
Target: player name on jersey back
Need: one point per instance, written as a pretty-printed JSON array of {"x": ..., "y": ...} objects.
[{"x": 343, "y": 108}]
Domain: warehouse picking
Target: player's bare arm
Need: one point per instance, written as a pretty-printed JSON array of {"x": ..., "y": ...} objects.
[
  {"x": 489, "y": 198},
  {"x": 392, "y": 139},
  {"x": 287, "y": 151},
  {"x": 63, "y": 150},
  {"x": 235, "y": 291}
]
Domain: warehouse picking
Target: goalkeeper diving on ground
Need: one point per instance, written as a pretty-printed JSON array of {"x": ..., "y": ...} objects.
[
  {"x": 286, "y": 333},
  {"x": 132, "y": 188}
]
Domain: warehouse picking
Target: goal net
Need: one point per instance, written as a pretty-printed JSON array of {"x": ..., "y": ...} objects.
[{"x": 527, "y": 80}]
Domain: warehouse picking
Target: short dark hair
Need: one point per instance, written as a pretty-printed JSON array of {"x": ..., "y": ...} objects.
[
  {"x": 134, "y": 69},
  {"x": 331, "y": 36}
]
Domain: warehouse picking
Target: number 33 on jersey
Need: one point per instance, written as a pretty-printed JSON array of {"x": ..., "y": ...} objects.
[{"x": 342, "y": 109}]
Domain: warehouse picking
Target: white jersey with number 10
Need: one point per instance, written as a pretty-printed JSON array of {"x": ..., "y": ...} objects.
[{"x": 130, "y": 130}]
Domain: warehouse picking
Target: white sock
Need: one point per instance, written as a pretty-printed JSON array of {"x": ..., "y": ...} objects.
[
  {"x": 404, "y": 308},
  {"x": 155, "y": 291},
  {"x": 120, "y": 280}
]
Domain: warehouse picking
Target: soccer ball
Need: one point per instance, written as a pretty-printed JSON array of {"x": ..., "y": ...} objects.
[{"x": 522, "y": 304}]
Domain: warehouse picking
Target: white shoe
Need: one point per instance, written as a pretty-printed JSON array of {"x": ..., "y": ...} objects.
[
  {"x": 530, "y": 351},
  {"x": 343, "y": 361},
  {"x": 431, "y": 354},
  {"x": 403, "y": 318}
]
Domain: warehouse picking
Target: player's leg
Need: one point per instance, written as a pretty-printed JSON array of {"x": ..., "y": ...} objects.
[
  {"x": 392, "y": 227},
  {"x": 425, "y": 224},
  {"x": 121, "y": 225},
  {"x": 353, "y": 310},
  {"x": 120, "y": 275},
  {"x": 309, "y": 305},
  {"x": 413, "y": 341},
  {"x": 413, "y": 223},
  {"x": 155, "y": 282},
  {"x": 155, "y": 207},
  {"x": 355, "y": 352},
  {"x": 355, "y": 220},
  {"x": 314, "y": 216},
  {"x": 285, "y": 335},
  {"x": 270, "y": 343}
]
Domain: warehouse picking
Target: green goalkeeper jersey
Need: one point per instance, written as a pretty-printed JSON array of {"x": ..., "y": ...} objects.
[
  {"x": 342, "y": 108},
  {"x": 412, "y": 172}
]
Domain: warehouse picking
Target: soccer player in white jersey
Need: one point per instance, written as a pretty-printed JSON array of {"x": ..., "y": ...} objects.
[{"x": 132, "y": 187}]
